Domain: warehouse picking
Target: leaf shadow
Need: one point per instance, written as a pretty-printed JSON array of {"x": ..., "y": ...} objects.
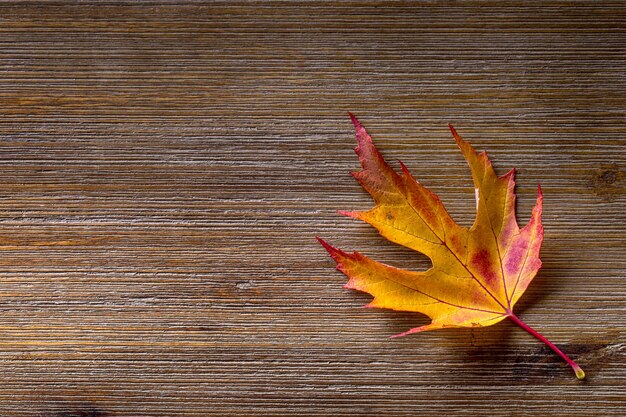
[
  {"x": 477, "y": 354},
  {"x": 536, "y": 292},
  {"x": 480, "y": 351}
]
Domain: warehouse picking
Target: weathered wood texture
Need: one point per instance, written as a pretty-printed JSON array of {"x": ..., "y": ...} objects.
[{"x": 165, "y": 167}]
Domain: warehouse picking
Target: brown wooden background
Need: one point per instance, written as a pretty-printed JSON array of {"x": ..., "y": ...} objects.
[{"x": 164, "y": 169}]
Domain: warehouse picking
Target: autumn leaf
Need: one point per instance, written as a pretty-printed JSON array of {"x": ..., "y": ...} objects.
[{"x": 477, "y": 274}]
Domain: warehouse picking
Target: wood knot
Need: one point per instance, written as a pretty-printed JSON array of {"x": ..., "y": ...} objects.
[
  {"x": 606, "y": 181},
  {"x": 609, "y": 176}
]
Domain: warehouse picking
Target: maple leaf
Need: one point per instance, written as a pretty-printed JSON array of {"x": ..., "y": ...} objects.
[{"x": 477, "y": 274}]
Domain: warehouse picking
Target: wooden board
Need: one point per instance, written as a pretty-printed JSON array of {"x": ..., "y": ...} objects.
[{"x": 165, "y": 167}]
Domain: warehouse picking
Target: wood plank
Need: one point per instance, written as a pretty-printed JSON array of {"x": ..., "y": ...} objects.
[{"x": 165, "y": 167}]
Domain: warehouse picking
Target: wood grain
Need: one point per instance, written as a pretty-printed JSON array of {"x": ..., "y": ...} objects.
[{"x": 165, "y": 167}]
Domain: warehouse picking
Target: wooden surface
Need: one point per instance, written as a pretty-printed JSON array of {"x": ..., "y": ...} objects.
[{"x": 165, "y": 167}]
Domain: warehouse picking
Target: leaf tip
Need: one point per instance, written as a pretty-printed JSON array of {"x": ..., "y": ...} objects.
[
  {"x": 413, "y": 330},
  {"x": 456, "y": 136},
  {"x": 511, "y": 174},
  {"x": 405, "y": 170},
  {"x": 333, "y": 251},
  {"x": 395, "y": 336},
  {"x": 323, "y": 242},
  {"x": 355, "y": 121},
  {"x": 539, "y": 204},
  {"x": 353, "y": 214}
]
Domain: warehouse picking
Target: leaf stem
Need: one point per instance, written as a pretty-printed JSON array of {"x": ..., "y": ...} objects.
[{"x": 580, "y": 374}]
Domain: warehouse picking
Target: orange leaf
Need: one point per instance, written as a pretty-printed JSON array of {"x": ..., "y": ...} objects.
[{"x": 477, "y": 274}]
